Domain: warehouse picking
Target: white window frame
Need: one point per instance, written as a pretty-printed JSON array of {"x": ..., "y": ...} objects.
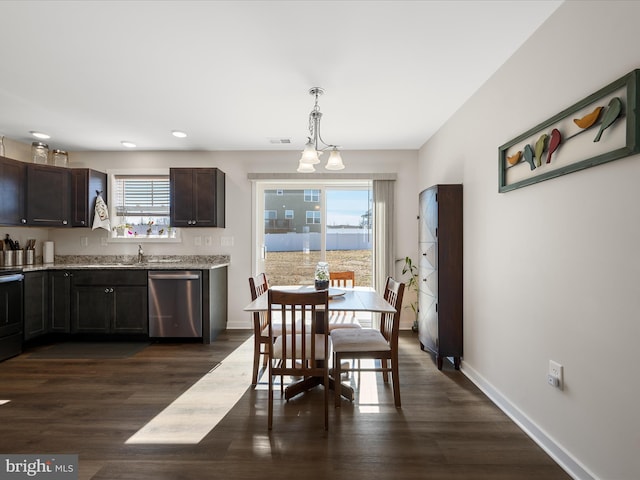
[
  {"x": 111, "y": 180},
  {"x": 289, "y": 214},
  {"x": 315, "y": 217},
  {"x": 312, "y": 195}
]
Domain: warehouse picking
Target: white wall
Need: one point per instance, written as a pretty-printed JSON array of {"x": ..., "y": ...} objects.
[
  {"x": 236, "y": 166},
  {"x": 552, "y": 270}
]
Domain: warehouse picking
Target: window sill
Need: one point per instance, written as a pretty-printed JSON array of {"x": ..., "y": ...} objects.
[{"x": 144, "y": 239}]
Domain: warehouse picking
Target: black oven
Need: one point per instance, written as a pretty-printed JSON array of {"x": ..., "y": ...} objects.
[{"x": 11, "y": 321}]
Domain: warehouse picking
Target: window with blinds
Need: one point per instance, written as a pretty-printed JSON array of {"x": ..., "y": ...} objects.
[
  {"x": 141, "y": 207},
  {"x": 144, "y": 196}
]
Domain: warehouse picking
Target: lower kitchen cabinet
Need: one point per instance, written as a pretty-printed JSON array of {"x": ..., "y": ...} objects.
[
  {"x": 109, "y": 302},
  {"x": 214, "y": 303},
  {"x": 36, "y": 311},
  {"x": 110, "y": 309},
  {"x": 60, "y": 301}
]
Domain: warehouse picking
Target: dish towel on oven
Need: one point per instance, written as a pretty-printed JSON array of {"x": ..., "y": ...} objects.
[{"x": 101, "y": 217}]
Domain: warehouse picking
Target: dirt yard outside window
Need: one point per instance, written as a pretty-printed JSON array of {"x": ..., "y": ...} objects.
[{"x": 297, "y": 268}]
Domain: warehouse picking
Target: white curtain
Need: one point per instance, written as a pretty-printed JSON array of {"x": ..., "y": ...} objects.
[{"x": 384, "y": 229}]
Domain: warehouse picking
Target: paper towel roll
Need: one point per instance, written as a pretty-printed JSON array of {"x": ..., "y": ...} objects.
[{"x": 47, "y": 252}]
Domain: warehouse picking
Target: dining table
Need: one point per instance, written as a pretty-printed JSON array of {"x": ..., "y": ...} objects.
[{"x": 355, "y": 299}]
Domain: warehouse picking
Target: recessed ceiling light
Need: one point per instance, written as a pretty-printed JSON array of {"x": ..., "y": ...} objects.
[
  {"x": 40, "y": 135},
  {"x": 178, "y": 133},
  {"x": 127, "y": 144}
]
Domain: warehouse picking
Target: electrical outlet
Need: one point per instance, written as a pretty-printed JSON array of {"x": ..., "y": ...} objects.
[
  {"x": 207, "y": 241},
  {"x": 555, "y": 377}
]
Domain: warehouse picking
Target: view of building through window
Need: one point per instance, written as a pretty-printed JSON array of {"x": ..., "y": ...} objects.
[{"x": 303, "y": 226}]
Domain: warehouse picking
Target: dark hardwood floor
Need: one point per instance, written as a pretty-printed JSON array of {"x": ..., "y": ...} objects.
[{"x": 446, "y": 429}]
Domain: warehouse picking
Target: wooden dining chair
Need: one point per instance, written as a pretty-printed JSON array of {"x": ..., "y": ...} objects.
[
  {"x": 346, "y": 279},
  {"x": 302, "y": 350},
  {"x": 370, "y": 343},
  {"x": 261, "y": 341}
]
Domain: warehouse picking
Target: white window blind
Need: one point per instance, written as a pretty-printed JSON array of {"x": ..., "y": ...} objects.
[{"x": 142, "y": 195}]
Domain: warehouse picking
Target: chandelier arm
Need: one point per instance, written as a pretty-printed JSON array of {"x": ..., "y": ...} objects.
[{"x": 319, "y": 137}]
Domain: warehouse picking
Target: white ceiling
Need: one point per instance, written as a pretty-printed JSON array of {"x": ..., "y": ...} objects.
[{"x": 234, "y": 74}]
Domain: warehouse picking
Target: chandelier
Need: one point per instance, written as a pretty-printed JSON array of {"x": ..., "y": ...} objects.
[{"x": 312, "y": 150}]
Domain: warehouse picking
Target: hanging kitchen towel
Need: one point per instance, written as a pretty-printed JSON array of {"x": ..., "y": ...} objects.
[{"x": 101, "y": 218}]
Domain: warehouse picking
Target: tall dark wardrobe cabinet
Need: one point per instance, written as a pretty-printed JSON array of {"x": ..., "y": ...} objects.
[{"x": 440, "y": 272}]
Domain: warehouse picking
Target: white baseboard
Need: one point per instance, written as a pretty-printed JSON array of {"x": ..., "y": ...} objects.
[{"x": 553, "y": 449}]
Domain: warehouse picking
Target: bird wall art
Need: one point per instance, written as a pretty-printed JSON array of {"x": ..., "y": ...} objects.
[{"x": 610, "y": 117}]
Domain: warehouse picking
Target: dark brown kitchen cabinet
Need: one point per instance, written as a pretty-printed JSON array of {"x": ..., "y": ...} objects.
[
  {"x": 13, "y": 183},
  {"x": 36, "y": 304},
  {"x": 48, "y": 196},
  {"x": 440, "y": 272},
  {"x": 85, "y": 186},
  {"x": 109, "y": 302},
  {"x": 197, "y": 197},
  {"x": 60, "y": 301}
]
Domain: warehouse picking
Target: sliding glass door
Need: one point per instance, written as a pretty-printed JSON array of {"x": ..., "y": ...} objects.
[{"x": 300, "y": 224}]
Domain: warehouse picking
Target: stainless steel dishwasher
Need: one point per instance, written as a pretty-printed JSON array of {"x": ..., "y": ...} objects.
[{"x": 175, "y": 303}]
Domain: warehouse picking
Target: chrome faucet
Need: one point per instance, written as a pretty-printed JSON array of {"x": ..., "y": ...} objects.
[{"x": 140, "y": 253}]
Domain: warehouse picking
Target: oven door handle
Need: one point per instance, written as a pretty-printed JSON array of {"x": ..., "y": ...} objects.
[{"x": 17, "y": 277}]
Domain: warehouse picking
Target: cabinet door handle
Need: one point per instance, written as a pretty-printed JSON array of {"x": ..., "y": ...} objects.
[
  {"x": 66, "y": 274},
  {"x": 106, "y": 290},
  {"x": 64, "y": 222},
  {"x": 23, "y": 220},
  {"x": 111, "y": 290}
]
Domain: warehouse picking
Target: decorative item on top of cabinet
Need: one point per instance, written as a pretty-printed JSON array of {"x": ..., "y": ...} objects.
[
  {"x": 85, "y": 182},
  {"x": 13, "y": 178},
  {"x": 197, "y": 197},
  {"x": 440, "y": 271},
  {"x": 48, "y": 196}
]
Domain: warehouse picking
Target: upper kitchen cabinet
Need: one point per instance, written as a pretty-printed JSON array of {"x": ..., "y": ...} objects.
[
  {"x": 85, "y": 185},
  {"x": 197, "y": 197},
  {"x": 48, "y": 196},
  {"x": 13, "y": 176}
]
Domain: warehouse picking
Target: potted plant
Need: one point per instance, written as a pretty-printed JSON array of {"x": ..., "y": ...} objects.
[{"x": 412, "y": 284}]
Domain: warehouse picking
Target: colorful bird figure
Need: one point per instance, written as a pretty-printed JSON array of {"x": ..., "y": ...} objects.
[
  {"x": 515, "y": 158},
  {"x": 554, "y": 143},
  {"x": 540, "y": 146},
  {"x": 528, "y": 156},
  {"x": 610, "y": 116},
  {"x": 589, "y": 119}
]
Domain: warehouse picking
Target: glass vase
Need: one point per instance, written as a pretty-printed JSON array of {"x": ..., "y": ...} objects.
[{"x": 322, "y": 276}]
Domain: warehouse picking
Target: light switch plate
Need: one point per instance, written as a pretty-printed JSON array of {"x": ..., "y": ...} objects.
[{"x": 556, "y": 371}]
